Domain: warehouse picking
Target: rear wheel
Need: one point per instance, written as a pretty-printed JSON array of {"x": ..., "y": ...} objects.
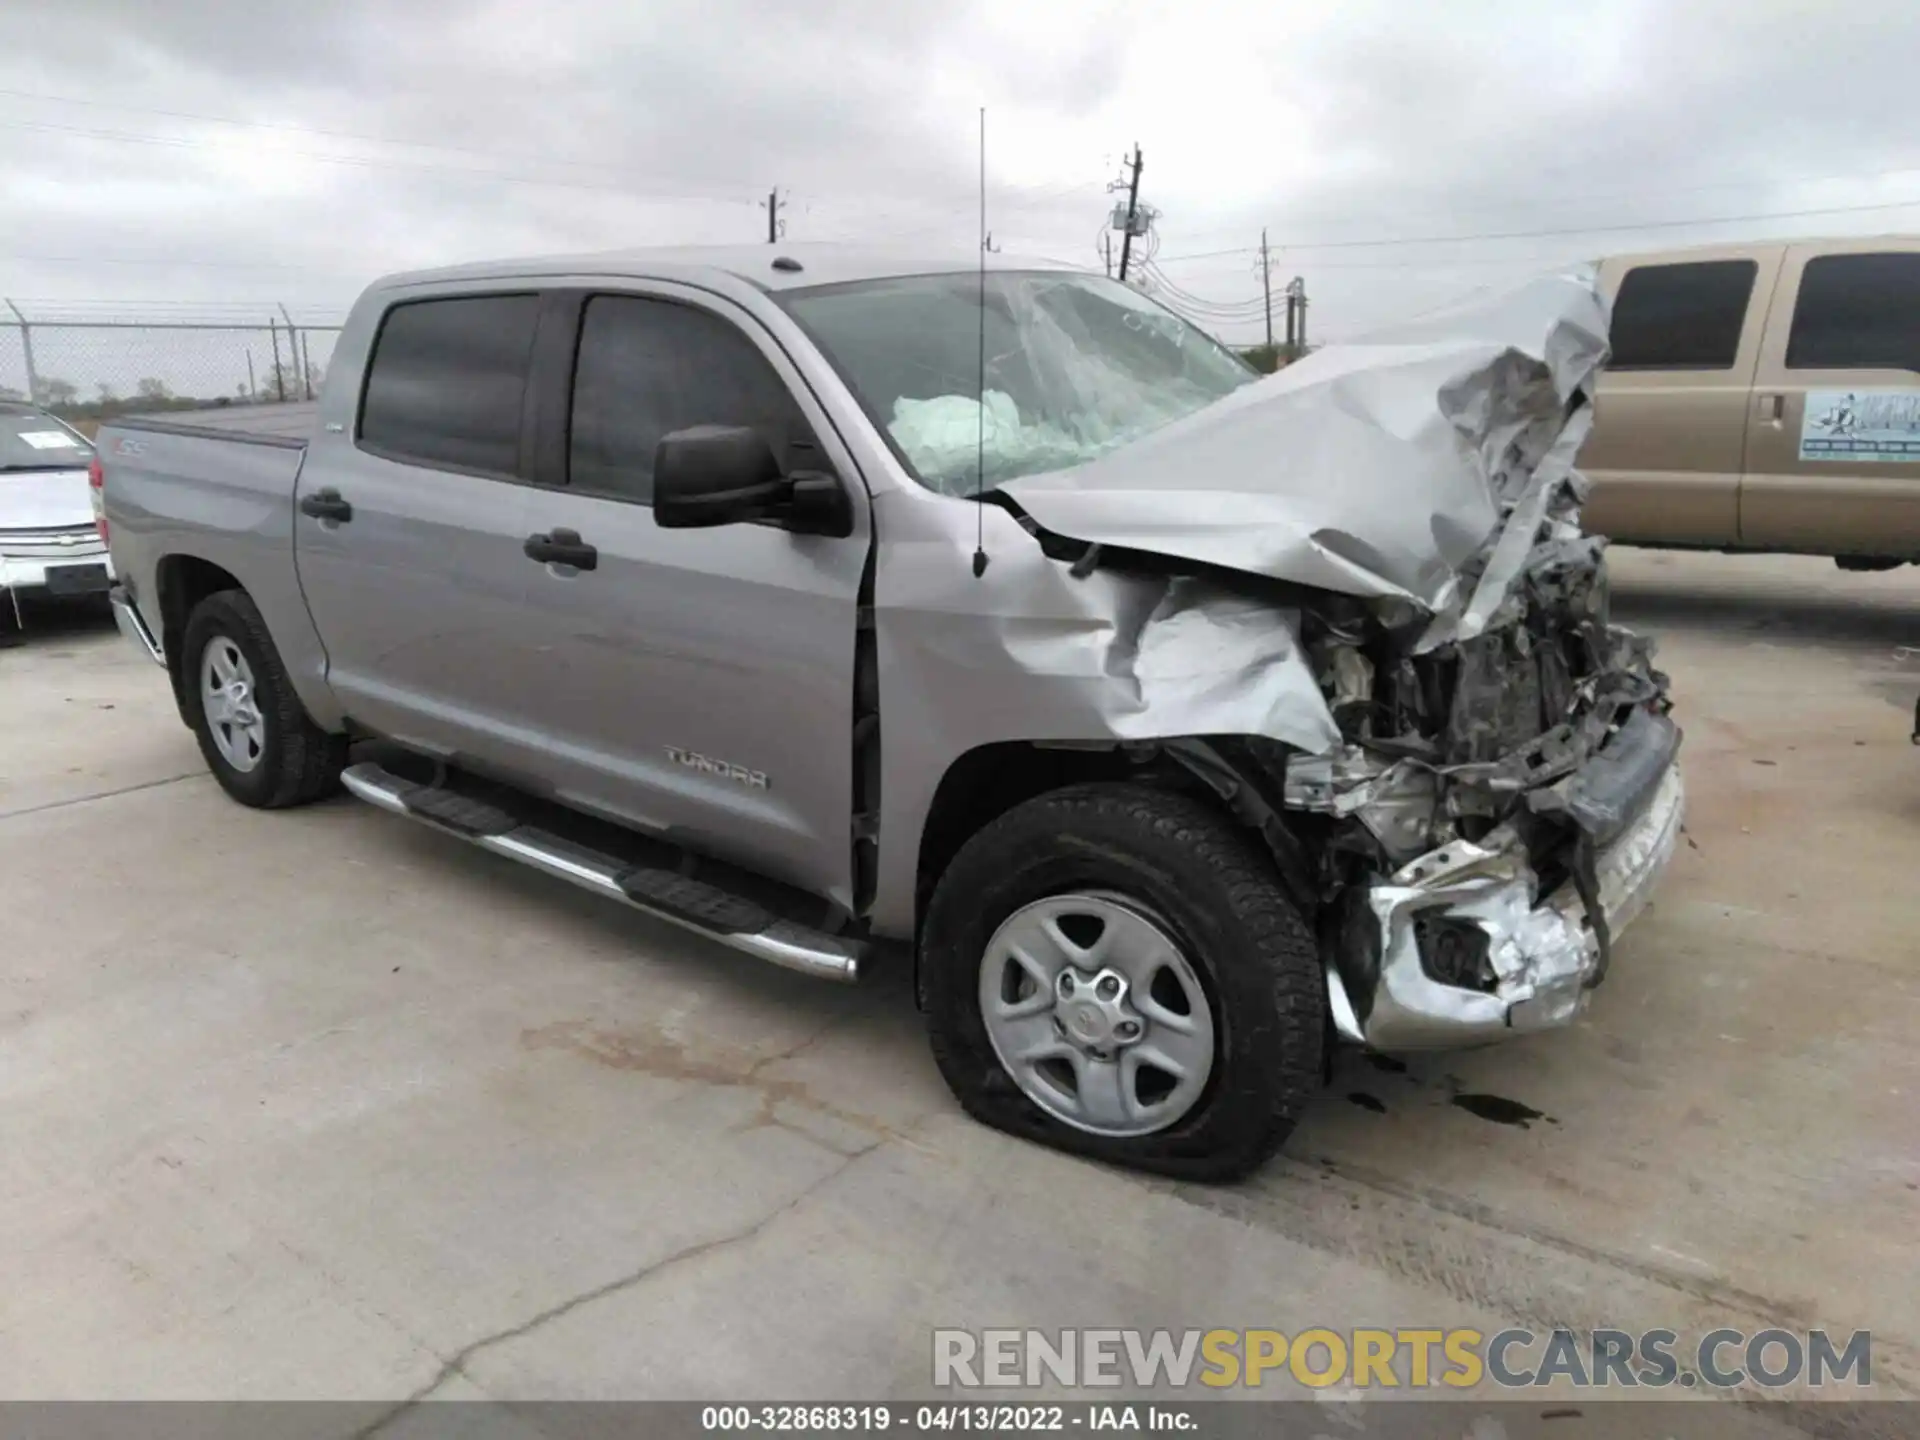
[
  {"x": 1113, "y": 970},
  {"x": 256, "y": 736}
]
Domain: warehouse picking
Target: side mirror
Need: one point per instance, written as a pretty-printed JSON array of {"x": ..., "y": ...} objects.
[
  {"x": 710, "y": 475},
  {"x": 715, "y": 475}
]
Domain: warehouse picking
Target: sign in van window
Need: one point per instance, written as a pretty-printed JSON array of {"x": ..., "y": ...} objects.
[{"x": 1861, "y": 425}]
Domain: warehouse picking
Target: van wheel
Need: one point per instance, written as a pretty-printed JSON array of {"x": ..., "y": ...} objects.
[
  {"x": 253, "y": 730},
  {"x": 1114, "y": 970}
]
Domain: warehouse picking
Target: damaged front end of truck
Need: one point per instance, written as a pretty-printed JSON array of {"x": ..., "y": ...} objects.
[
  {"x": 1467, "y": 772},
  {"x": 1499, "y": 805}
]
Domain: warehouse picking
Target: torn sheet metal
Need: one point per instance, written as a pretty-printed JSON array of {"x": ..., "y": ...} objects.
[
  {"x": 1398, "y": 801},
  {"x": 1378, "y": 468},
  {"x": 1032, "y": 654},
  {"x": 1539, "y": 953},
  {"x": 1205, "y": 661},
  {"x": 1048, "y": 656}
]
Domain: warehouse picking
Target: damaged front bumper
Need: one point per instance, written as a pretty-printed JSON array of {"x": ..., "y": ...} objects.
[{"x": 1472, "y": 913}]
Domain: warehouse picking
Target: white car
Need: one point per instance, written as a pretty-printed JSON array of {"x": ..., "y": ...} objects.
[{"x": 50, "y": 540}]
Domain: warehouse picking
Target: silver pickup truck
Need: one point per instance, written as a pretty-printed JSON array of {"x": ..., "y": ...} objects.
[{"x": 1175, "y": 723}]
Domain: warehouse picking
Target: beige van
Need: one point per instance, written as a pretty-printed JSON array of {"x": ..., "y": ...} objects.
[{"x": 1763, "y": 397}]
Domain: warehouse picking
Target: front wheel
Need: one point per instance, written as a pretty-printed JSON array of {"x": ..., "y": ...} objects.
[
  {"x": 253, "y": 731},
  {"x": 1113, "y": 969}
]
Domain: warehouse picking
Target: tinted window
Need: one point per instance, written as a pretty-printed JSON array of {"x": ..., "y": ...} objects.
[
  {"x": 649, "y": 367},
  {"x": 1681, "y": 317},
  {"x": 448, "y": 379},
  {"x": 1857, "y": 312}
]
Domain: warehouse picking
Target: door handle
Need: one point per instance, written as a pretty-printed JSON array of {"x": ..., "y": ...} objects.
[
  {"x": 1770, "y": 407},
  {"x": 326, "y": 505},
  {"x": 562, "y": 547}
]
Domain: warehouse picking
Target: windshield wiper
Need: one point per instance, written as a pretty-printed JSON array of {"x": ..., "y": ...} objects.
[{"x": 23, "y": 469}]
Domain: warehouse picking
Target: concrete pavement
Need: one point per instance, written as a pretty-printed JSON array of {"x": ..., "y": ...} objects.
[{"x": 322, "y": 1104}]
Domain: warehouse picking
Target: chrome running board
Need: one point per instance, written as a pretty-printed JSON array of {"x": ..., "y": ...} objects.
[{"x": 706, "y": 909}]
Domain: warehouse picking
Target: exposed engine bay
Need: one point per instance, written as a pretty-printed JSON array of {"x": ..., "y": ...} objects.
[
  {"x": 1543, "y": 736},
  {"x": 1485, "y": 789}
]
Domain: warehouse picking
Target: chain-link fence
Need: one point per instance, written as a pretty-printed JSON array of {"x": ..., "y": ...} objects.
[{"x": 88, "y": 369}]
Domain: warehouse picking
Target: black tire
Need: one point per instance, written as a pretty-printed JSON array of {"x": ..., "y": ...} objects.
[
  {"x": 299, "y": 762},
  {"x": 1217, "y": 896}
]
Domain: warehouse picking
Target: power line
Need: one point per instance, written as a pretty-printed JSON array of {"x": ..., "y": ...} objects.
[
  {"x": 1187, "y": 307},
  {"x": 1854, "y": 177},
  {"x": 1542, "y": 234},
  {"x": 939, "y": 225},
  {"x": 1199, "y": 322},
  {"x": 1204, "y": 319},
  {"x": 1165, "y": 282}
]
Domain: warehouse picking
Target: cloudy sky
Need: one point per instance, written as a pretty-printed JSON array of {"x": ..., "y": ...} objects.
[{"x": 201, "y": 154}]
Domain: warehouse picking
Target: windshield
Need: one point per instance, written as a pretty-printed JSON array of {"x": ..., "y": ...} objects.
[
  {"x": 1076, "y": 365},
  {"x": 30, "y": 440}
]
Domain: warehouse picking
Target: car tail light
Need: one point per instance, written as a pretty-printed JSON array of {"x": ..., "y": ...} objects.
[{"x": 97, "y": 491}]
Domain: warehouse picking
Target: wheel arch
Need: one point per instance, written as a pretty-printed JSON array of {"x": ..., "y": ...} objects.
[
  {"x": 984, "y": 783},
  {"x": 181, "y": 582}
]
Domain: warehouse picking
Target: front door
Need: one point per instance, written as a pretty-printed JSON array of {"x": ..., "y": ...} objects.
[
  {"x": 1833, "y": 448},
  {"x": 696, "y": 682}
]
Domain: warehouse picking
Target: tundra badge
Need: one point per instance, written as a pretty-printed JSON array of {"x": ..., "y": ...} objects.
[{"x": 739, "y": 774}]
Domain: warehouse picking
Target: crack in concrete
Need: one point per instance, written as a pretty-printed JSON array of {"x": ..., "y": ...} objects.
[
  {"x": 652, "y": 1052},
  {"x": 100, "y": 795},
  {"x": 456, "y": 1364}
]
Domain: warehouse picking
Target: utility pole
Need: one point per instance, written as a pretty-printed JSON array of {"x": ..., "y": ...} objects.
[
  {"x": 26, "y": 348},
  {"x": 773, "y": 205},
  {"x": 1266, "y": 284},
  {"x": 1106, "y": 251},
  {"x": 1296, "y": 318},
  {"x": 293, "y": 354},
  {"x": 279, "y": 375},
  {"x": 1133, "y": 211}
]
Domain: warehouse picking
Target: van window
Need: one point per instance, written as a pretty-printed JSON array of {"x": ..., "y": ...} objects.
[
  {"x": 1857, "y": 312},
  {"x": 447, "y": 382},
  {"x": 1681, "y": 317},
  {"x": 647, "y": 368}
]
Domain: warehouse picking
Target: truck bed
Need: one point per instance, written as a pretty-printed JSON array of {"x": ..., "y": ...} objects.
[{"x": 289, "y": 424}]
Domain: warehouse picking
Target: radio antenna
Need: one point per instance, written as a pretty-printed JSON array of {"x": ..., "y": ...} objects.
[{"x": 980, "y": 390}]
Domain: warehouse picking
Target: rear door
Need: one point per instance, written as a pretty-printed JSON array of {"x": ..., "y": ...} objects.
[
  {"x": 697, "y": 682},
  {"x": 1670, "y": 427},
  {"x": 1833, "y": 454},
  {"x": 408, "y": 531}
]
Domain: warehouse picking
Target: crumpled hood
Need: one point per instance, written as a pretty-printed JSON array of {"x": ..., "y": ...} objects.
[{"x": 1375, "y": 468}]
